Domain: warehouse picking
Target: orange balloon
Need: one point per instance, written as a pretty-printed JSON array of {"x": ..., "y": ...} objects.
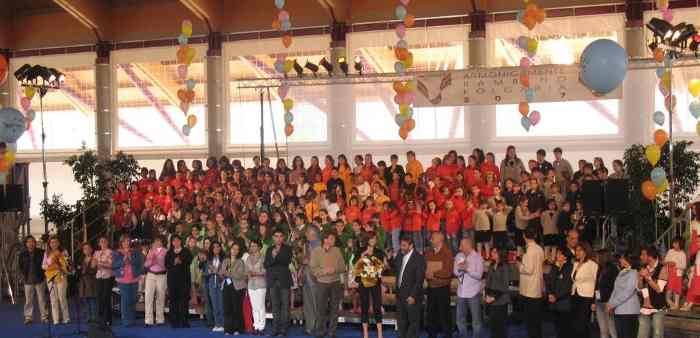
[
  {"x": 276, "y": 25},
  {"x": 529, "y": 22},
  {"x": 409, "y": 125},
  {"x": 409, "y": 21},
  {"x": 401, "y": 53},
  {"x": 186, "y": 96},
  {"x": 4, "y": 166},
  {"x": 649, "y": 190},
  {"x": 524, "y": 108},
  {"x": 181, "y": 55},
  {"x": 191, "y": 121},
  {"x": 398, "y": 87},
  {"x": 287, "y": 40},
  {"x": 403, "y": 134},
  {"x": 525, "y": 80},
  {"x": 531, "y": 7},
  {"x": 540, "y": 15},
  {"x": 289, "y": 129},
  {"x": 658, "y": 55},
  {"x": 660, "y": 137}
]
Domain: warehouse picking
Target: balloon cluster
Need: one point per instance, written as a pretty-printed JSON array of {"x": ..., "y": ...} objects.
[
  {"x": 185, "y": 55},
  {"x": 529, "y": 17},
  {"x": 288, "y": 104},
  {"x": 282, "y": 23},
  {"x": 13, "y": 126},
  {"x": 694, "y": 107},
  {"x": 405, "y": 91},
  {"x": 658, "y": 181}
]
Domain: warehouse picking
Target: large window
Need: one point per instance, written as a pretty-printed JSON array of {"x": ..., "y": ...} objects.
[
  {"x": 69, "y": 113},
  {"x": 149, "y": 113}
]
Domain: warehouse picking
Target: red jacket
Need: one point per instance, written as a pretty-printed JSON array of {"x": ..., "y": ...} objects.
[
  {"x": 390, "y": 220},
  {"x": 459, "y": 203},
  {"x": 353, "y": 213},
  {"x": 447, "y": 171},
  {"x": 432, "y": 220},
  {"x": 367, "y": 214},
  {"x": 413, "y": 222},
  {"x": 136, "y": 200},
  {"x": 453, "y": 220},
  {"x": 468, "y": 218}
]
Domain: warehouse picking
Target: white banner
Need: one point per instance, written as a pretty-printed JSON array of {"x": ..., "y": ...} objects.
[{"x": 492, "y": 86}]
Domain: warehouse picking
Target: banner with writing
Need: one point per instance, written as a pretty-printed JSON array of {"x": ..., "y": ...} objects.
[{"x": 492, "y": 86}]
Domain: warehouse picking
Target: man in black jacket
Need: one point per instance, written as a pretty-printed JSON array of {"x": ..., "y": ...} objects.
[
  {"x": 410, "y": 269},
  {"x": 279, "y": 281},
  {"x": 30, "y": 265}
]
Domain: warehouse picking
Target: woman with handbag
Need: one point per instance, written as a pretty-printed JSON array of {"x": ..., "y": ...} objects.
[{"x": 368, "y": 266}]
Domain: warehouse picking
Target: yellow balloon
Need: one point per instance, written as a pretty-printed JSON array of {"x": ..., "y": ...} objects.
[
  {"x": 29, "y": 92},
  {"x": 653, "y": 154},
  {"x": 663, "y": 187},
  {"x": 410, "y": 85},
  {"x": 408, "y": 63},
  {"x": 666, "y": 79},
  {"x": 10, "y": 157},
  {"x": 403, "y": 109},
  {"x": 532, "y": 45},
  {"x": 288, "y": 65},
  {"x": 187, "y": 30},
  {"x": 697, "y": 128},
  {"x": 694, "y": 87},
  {"x": 288, "y": 104}
]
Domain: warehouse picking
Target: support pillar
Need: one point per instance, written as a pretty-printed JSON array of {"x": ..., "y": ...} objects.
[
  {"x": 216, "y": 107},
  {"x": 635, "y": 43},
  {"x": 338, "y": 46},
  {"x": 5, "y": 97},
  {"x": 479, "y": 133},
  {"x": 634, "y": 129},
  {"x": 341, "y": 115},
  {"x": 103, "y": 100}
]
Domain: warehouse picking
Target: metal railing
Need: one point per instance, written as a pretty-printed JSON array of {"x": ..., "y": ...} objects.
[{"x": 680, "y": 228}]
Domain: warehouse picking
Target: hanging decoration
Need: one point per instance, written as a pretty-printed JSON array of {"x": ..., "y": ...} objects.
[
  {"x": 184, "y": 56},
  {"x": 284, "y": 66},
  {"x": 405, "y": 96},
  {"x": 530, "y": 17},
  {"x": 14, "y": 124}
]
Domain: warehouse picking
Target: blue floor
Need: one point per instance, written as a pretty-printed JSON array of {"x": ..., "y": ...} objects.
[{"x": 12, "y": 326}]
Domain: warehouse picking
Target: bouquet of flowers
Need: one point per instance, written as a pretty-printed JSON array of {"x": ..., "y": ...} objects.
[{"x": 369, "y": 269}]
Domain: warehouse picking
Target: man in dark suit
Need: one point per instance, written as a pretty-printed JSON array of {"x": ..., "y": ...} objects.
[
  {"x": 410, "y": 268},
  {"x": 279, "y": 281}
]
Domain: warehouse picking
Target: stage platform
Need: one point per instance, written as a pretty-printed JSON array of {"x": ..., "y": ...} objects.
[{"x": 682, "y": 324}]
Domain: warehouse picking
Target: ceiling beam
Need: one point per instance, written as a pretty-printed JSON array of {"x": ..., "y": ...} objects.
[
  {"x": 93, "y": 14},
  {"x": 338, "y": 10},
  {"x": 168, "y": 86},
  {"x": 209, "y": 11}
]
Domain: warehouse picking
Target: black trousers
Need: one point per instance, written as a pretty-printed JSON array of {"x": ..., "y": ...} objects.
[
  {"x": 279, "y": 299},
  {"x": 327, "y": 297},
  {"x": 627, "y": 326},
  {"x": 562, "y": 323},
  {"x": 498, "y": 317},
  {"x": 233, "y": 309},
  {"x": 409, "y": 317},
  {"x": 104, "y": 300},
  {"x": 179, "y": 302},
  {"x": 581, "y": 316},
  {"x": 532, "y": 308},
  {"x": 439, "y": 312},
  {"x": 375, "y": 293}
]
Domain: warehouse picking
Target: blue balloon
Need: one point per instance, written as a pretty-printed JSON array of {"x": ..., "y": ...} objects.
[
  {"x": 603, "y": 66},
  {"x": 660, "y": 72},
  {"x": 659, "y": 117},
  {"x": 13, "y": 125},
  {"x": 409, "y": 114},
  {"x": 402, "y": 44},
  {"x": 186, "y": 130},
  {"x": 399, "y": 120},
  {"x": 30, "y": 114},
  {"x": 182, "y": 40},
  {"x": 288, "y": 117},
  {"x": 190, "y": 84},
  {"x": 522, "y": 42},
  {"x": 694, "y": 108},
  {"x": 286, "y": 25},
  {"x": 279, "y": 66},
  {"x": 279, "y": 4},
  {"x": 525, "y": 122},
  {"x": 519, "y": 17},
  {"x": 530, "y": 95},
  {"x": 399, "y": 67},
  {"x": 400, "y": 12},
  {"x": 658, "y": 176},
  {"x": 668, "y": 62}
]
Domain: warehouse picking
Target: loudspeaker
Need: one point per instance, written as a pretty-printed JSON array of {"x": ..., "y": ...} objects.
[
  {"x": 592, "y": 198},
  {"x": 99, "y": 331},
  {"x": 617, "y": 196},
  {"x": 14, "y": 197}
]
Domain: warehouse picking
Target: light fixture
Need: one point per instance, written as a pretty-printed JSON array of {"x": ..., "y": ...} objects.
[
  {"x": 39, "y": 77},
  {"x": 358, "y": 65},
  {"x": 659, "y": 27},
  {"x": 298, "y": 68},
  {"x": 343, "y": 66},
  {"x": 312, "y": 67},
  {"x": 21, "y": 73},
  {"x": 327, "y": 65}
]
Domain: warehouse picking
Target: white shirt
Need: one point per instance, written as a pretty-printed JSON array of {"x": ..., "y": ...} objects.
[
  {"x": 584, "y": 277},
  {"x": 531, "y": 277},
  {"x": 677, "y": 257},
  {"x": 404, "y": 261}
]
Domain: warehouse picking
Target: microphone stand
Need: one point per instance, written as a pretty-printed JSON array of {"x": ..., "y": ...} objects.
[{"x": 52, "y": 286}]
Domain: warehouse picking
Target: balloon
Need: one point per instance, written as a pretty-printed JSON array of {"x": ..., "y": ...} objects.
[
  {"x": 30, "y": 115},
  {"x": 530, "y": 95},
  {"x": 660, "y": 72},
  {"x": 401, "y": 53},
  {"x": 184, "y": 106},
  {"x": 519, "y": 16},
  {"x": 524, "y": 108},
  {"x": 525, "y": 80},
  {"x": 525, "y": 62},
  {"x": 181, "y": 54},
  {"x": 401, "y": 30},
  {"x": 666, "y": 79},
  {"x": 399, "y": 67},
  {"x": 186, "y": 130},
  {"x": 653, "y": 153},
  {"x": 410, "y": 97},
  {"x": 694, "y": 108},
  {"x": 282, "y": 91},
  {"x": 649, "y": 190},
  {"x": 697, "y": 128},
  {"x": 400, "y": 12},
  {"x": 660, "y": 137},
  {"x": 663, "y": 187},
  {"x": 190, "y": 55},
  {"x": 409, "y": 20},
  {"x": 409, "y": 60},
  {"x": 532, "y": 45},
  {"x": 286, "y": 25},
  {"x": 29, "y": 92},
  {"x": 522, "y": 42},
  {"x": 279, "y": 4},
  {"x": 659, "y": 117},
  {"x": 662, "y": 89},
  {"x": 190, "y": 83},
  {"x": 185, "y": 95},
  {"x": 409, "y": 125},
  {"x": 182, "y": 40},
  {"x": 398, "y": 87},
  {"x": 25, "y": 103},
  {"x": 182, "y": 71},
  {"x": 670, "y": 103},
  {"x": 410, "y": 85},
  {"x": 658, "y": 176},
  {"x": 402, "y": 44},
  {"x": 288, "y": 129},
  {"x": 288, "y": 104},
  {"x": 276, "y": 25},
  {"x": 399, "y": 119},
  {"x": 288, "y": 65},
  {"x": 405, "y": 2},
  {"x": 191, "y": 121},
  {"x": 283, "y": 15},
  {"x": 662, "y": 4},
  {"x": 288, "y": 117},
  {"x": 408, "y": 114},
  {"x": 403, "y": 134},
  {"x": 667, "y": 15},
  {"x": 403, "y": 109},
  {"x": 187, "y": 28},
  {"x": 13, "y": 125},
  {"x": 4, "y": 165},
  {"x": 525, "y": 123},
  {"x": 540, "y": 15},
  {"x": 668, "y": 62},
  {"x": 287, "y": 40},
  {"x": 603, "y": 66},
  {"x": 694, "y": 87},
  {"x": 279, "y": 66},
  {"x": 529, "y": 22},
  {"x": 534, "y": 117},
  {"x": 10, "y": 157}
]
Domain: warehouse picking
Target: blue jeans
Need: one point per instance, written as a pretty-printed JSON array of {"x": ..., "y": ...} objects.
[
  {"x": 606, "y": 321},
  {"x": 473, "y": 305},
  {"x": 127, "y": 302},
  {"x": 217, "y": 301},
  {"x": 395, "y": 239},
  {"x": 653, "y": 323},
  {"x": 91, "y": 307}
]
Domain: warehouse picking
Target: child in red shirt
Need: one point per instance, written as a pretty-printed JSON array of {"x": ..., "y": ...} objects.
[
  {"x": 433, "y": 217},
  {"x": 413, "y": 224},
  {"x": 468, "y": 219},
  {"x": 453, "y": 220},
  {"x": 353, "y": 212}
]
